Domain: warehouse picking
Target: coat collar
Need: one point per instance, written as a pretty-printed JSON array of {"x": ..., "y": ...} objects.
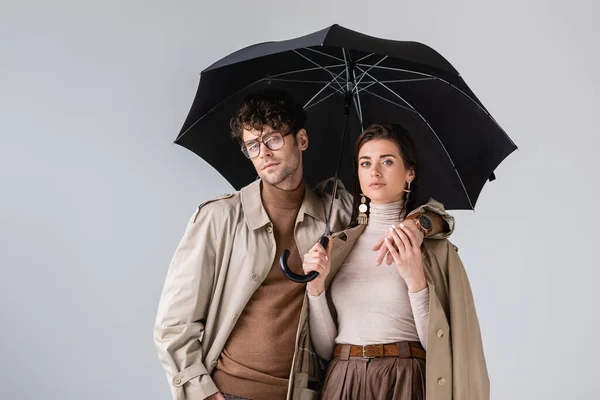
[{"x": 256, "y": 215}]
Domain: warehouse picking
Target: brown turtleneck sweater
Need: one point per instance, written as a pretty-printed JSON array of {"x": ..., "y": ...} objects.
[{"x": 257, "y": 357}]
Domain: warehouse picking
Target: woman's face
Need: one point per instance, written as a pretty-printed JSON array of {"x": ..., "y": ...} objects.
[{"x": 381, "y": 171}]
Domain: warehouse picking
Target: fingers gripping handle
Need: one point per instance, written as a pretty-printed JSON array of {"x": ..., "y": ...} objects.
[{"x": 292, "y": 275}]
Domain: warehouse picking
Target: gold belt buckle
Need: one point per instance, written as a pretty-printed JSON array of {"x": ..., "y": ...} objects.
[{"x": 363, "y": 352}]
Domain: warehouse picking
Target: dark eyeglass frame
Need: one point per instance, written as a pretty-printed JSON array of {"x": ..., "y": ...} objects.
[{"x": 261, "y": 140}]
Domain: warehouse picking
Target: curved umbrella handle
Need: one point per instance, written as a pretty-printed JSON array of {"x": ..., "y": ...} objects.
[{"x": 292, "y": 276}]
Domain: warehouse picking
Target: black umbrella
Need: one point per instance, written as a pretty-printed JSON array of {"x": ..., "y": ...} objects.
[{"x": 346, "y": 81}]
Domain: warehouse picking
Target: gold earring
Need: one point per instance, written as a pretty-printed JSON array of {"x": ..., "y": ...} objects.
[
  {"x": 407, "y": 191},
  {"x": 362, "y": 209}
]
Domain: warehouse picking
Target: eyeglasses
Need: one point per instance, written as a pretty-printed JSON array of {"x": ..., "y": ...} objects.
[{"x": 272, "y": 141}]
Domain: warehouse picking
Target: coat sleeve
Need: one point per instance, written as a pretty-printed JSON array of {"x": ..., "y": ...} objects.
[
  {"x": 470, "y": 377},
  {"x": 183, "y": 308},
  {"x": 342, "y": 211},
  {"x": 435, "y": 207}
]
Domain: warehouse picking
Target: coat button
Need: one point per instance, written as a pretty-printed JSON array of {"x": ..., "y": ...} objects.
[
  {"x": 255, "y": 276},
  {"x": 178, "y": 381},
  {"x": 440, "y": 333},
  {"x": 269, "y": 228},
  {"x": 213, "y": 364},
  {"x": 441, "y": 381}
]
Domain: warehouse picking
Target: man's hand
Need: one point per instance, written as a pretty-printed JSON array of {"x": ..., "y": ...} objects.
[
  {"x": 382, "y": 250},
  {"x": 406, "y": 251}
]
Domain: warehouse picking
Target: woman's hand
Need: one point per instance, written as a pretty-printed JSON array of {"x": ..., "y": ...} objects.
[
  {"x": 405, "y": 249},
  {"x": 317, "y": 259},
  {"x": 383, "y": 252}
]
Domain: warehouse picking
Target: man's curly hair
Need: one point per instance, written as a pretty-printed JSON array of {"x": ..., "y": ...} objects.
[{"x": 273, "y": 108}]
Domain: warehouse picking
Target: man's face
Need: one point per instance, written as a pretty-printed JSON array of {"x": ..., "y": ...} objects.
[{"x": 283, "y": 167}]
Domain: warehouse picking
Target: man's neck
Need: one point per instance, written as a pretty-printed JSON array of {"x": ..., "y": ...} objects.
[{"x": 274, "y": 198}]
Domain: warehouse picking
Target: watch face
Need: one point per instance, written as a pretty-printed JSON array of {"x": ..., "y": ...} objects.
[{"x": 425, "y": 222}]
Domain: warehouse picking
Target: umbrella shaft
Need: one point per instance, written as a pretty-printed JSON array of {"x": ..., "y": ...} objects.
[{"x": 347, "y": 105}]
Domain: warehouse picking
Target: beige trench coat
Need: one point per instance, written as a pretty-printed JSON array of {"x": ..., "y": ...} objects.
[
  {"x": 226, "y": 252},
  {"x": 455, "y": 365}
]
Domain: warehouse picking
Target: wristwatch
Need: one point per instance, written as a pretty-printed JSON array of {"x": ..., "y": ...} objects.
[{"x": 424, "y": 224}]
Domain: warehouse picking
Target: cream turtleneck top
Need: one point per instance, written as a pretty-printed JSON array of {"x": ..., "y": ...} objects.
[{"x": 373, "y": 304}]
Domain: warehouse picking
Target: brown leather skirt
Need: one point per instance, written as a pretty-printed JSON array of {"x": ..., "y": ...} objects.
[{"x": 400, "y": 377}]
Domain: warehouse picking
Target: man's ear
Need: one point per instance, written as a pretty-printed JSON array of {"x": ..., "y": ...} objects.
[{"x": 302, "y": 139}]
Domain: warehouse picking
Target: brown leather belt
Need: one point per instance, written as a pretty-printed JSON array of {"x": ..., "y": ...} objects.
[{"x": 400, "y": 350}]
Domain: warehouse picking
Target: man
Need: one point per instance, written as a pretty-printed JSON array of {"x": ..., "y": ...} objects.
[{"x": 229, "y": 324}]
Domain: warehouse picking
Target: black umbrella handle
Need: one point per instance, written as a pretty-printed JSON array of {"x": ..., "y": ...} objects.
[{"x": 294, "y": 276}]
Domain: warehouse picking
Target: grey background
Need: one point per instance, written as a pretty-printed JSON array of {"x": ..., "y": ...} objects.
[{"x": 95, "y": 197}]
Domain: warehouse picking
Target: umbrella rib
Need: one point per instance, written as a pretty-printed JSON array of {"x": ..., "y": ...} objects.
[
  {"x": 258, "y": 81},
  {"x": 307, "y": 70},
  {"x": 365, "y": 57},
  {"x": 348, "y": 82},
  {"x": 390, "y": 101},
  {"x": 324, "y": 54},
  {"x": 321, "y": 91},
  {"x": 353, "y": 89},
  {"x": 246, "y": 87},
  {"x": 434, "y": 133},
  {"x": 370, "y": 68},
  {"x": 298, "y": 81},
  {"x": 394, "y": 93},
  {"x": 318, "y": 65},
  {"x": 306, "y": 107},
  {"x": 481, "y": 108},
  {"x": 357, "y": 103},
  {"x": 453, "y": 87},
  {"x": 397, "y": 70},
  {"x": 371, "y": 83},
  {"x": 452, "y": 161},
  {"x": 214, "y": 107},
  {"x": 407, "y": 80},
  {"x": 366, "y": 87}
]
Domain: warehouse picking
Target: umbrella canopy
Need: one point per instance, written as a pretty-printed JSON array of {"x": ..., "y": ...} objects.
[{"x": 407, "y": 83}]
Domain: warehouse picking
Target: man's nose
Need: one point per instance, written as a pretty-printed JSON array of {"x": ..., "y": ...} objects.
[{"x": 264, "y": 151}]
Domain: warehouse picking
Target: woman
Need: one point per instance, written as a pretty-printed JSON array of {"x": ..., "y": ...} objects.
[{"x": 403, "y": 331}]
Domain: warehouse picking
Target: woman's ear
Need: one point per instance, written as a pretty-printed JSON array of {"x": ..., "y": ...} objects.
[{"x": 410, "y": 175}]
